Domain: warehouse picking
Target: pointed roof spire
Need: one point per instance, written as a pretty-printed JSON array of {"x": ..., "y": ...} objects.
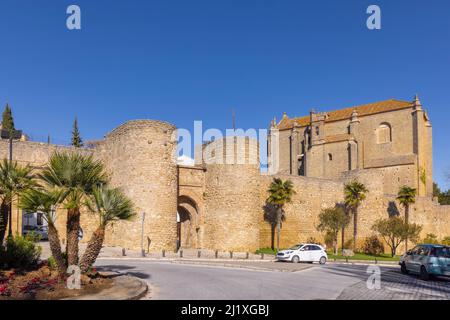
[
  {"x": 417, "y": 104},
  {"x": 273, "y": 124},
  {"x": 285, "y": 115}
]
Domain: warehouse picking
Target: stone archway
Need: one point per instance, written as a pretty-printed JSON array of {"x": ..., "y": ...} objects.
[{"x": 187, "y": 223}]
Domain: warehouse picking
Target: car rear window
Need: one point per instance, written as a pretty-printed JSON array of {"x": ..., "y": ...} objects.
[{"x": 441, "y": 252}]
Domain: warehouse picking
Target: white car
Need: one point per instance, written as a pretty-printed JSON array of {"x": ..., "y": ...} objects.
[{"x": 304, "y": 253}]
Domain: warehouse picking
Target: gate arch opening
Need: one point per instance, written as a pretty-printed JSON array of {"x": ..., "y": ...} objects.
[{"x": 187, "y": 223}]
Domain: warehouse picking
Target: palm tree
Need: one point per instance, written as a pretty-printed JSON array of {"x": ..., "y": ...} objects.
[
  {"x": 110, "y": 205},
  {"x": 280, "y": 193},
  {"x": 14, "y": 180},
  {"x": 406, "y": 196},
  {"x": 45, "y": 202},
  {"x": 75, "y": 176},
  {"x": 354, "y": 194}
]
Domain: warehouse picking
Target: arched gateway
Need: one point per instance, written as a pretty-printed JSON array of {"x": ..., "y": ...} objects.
[{"x": 187, "y": 223}]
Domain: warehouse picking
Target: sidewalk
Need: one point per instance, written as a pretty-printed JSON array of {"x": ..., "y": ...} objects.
[{"x": 208, "y": 257}]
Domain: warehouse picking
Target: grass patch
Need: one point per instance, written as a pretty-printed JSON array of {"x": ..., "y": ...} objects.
[
  {"x": 331, "y": 256},
  {"x": 363, "y": 256},
  {"x": 266, "y": 251}
]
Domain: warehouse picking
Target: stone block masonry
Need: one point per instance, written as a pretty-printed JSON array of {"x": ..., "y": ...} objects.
[{"x": 221, "y": 203}]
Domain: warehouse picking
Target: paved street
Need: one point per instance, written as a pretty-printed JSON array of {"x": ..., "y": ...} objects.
[{"x": 278, "y": 281}]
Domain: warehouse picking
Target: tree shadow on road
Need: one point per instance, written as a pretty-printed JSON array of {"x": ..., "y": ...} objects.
[
  {"x": 123, "y": 269},
  {"x": 393, "y": 276}
]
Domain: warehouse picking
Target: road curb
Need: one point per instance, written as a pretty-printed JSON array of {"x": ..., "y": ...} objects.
[
  {"x": 364, "y": 263},
  {"x": 125, "y": 287},
  {"x": 225, "y": 265}
]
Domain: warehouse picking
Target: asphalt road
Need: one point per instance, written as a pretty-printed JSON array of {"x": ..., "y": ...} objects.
[{"x": 195, "y": 282}]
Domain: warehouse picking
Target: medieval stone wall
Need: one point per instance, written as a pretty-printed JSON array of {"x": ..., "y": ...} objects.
[
  {"x": 225, "y": 195},
  {"x": 312, "y": 195},
  {"x": 36, "y": 155},
  {"x": 140, "y": 158},
  {"x": 232, "y": 206}
]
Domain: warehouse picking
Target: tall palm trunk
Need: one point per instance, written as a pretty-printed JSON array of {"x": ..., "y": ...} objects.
[
  {"x": 10, "y": 233},
  {"x": 272, "y": 235},
  {"x": 343, "y": 238},
  {"x": 3, "y": 220},
  {"x": 55, "y": 248},
  {"x": 279, "y": 212},
  {"x": 73, "y": 229},
  {"x": 355, "y": 227},
  {"x": 406, "y": 221},
  {"x": 93, "y": 249},
  {"x": 335, "y": 245}
]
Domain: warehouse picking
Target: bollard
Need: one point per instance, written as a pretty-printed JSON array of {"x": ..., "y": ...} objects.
[
  {"x": 247, "y": 255},
  {"x": 216, "y": 254},
  {"x": 123, "y": 252},
  {"x": 346, "y": 259},
  {"x": 231, "y": 254},
  {"x": 164, "y": 253},
  {"x": 376, "y": 261},
  {"x": 199, "y": 254},
  {"x": 181, "y": 253},
  {"x": 262, "y": 256}
]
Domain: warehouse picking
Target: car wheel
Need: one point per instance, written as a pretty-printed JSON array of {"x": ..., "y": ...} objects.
[
  {"x": 403, "y": 268},
  {"x": 424, "y": 275},
  {"x": 295, "y": 259},
  {"x": 323, "y": 260}
]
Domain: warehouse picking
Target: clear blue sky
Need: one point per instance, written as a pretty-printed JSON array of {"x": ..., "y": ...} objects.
[{"x": 182, "y": 61}]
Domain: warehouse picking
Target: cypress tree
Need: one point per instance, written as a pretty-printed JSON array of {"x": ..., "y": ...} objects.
[
  {"x": 7, "y": 119},
  {"x": 76, "y": 138}
]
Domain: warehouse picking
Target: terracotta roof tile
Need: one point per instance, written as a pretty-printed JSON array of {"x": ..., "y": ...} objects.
[{"x": 343, "y": 114}]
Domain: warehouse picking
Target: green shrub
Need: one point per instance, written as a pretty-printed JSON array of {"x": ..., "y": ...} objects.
[
  {"x": 373, "y": 246},
  {"x": 348, "y": 244},
  {"x": 52, "y": 262},
  {"x": 430, "y": 239},
  {"x": 313, "y": 240},
  {"x": 446, "y": 241},
  {"x": 20, "y": 253},
  {"x": 329, "y": 240}
]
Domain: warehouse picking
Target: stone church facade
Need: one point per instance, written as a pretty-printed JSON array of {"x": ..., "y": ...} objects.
[{"x": 219, "y": 202}]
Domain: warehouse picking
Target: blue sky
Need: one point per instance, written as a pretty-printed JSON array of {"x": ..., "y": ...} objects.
[{"x": 182, "y": 61}]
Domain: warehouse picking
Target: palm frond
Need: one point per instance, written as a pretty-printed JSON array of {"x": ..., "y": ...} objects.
[{"x": 110, "y": 204}]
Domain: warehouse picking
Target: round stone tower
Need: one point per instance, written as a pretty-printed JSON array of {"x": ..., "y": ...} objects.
[
  {"x": 232, "y": 194},
  {"x": 140, "y": 158}
]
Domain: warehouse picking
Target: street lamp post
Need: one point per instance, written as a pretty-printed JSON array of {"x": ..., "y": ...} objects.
[
  {"x": 11, "y": 135},
  {"x": 142, "y": 235}
]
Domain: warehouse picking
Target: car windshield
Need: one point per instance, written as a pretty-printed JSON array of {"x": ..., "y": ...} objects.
[{"x": 296, "y": 247}]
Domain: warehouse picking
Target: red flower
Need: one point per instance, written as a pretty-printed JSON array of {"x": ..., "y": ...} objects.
[
  {"x": 35, "y": 280},
  {"x": 4, "y": 289}
]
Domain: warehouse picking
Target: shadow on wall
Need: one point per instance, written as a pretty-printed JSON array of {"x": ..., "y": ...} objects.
[
  {"x": 270, "y": 216},
  {"x": 392, "y": 209}
]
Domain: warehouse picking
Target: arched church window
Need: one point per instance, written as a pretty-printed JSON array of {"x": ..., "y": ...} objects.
[{"x": 384, "y": 133}]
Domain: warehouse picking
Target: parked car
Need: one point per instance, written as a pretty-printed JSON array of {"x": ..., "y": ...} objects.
[
  {"x": 304, "y": 253},
  {"x": 426, "y": 260},
  {"x": 41, "y": 231}
]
